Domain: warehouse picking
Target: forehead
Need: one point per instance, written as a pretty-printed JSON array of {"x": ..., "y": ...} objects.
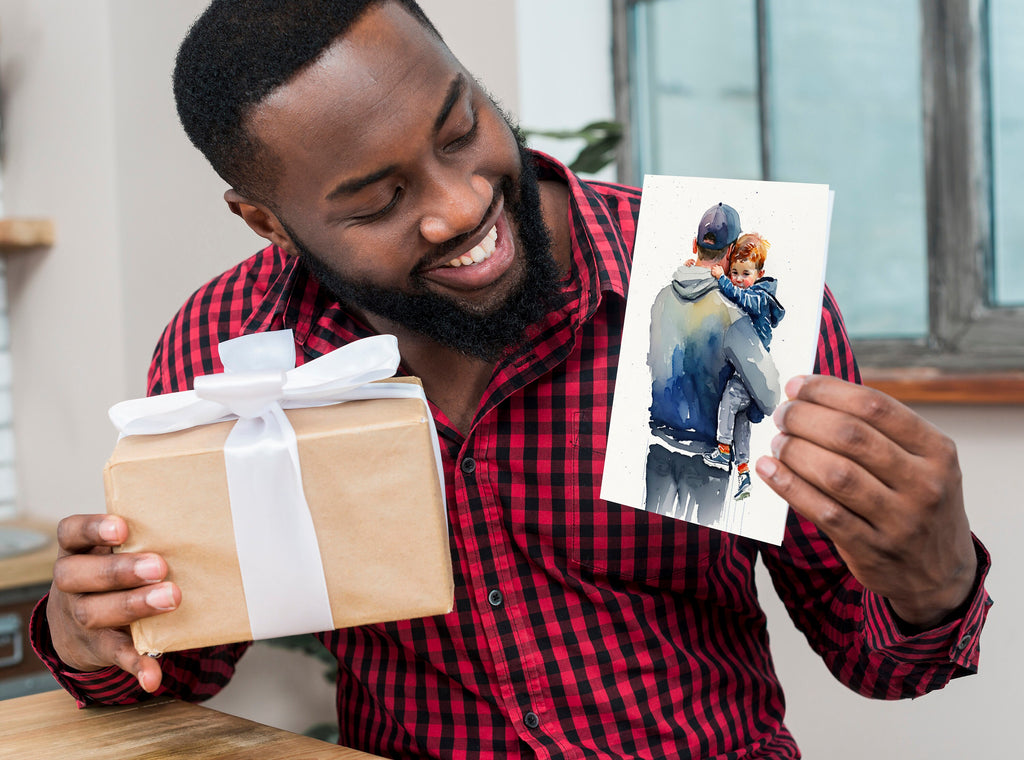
[{"x": 366, "y": 96}]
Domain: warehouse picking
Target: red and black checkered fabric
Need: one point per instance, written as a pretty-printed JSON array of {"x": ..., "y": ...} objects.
[{"x": 581, "y": 628}]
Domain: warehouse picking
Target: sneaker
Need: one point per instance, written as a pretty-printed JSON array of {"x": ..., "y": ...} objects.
[
  {"x": 717, "y": 459},
  {"x": 743, "y": 486}
]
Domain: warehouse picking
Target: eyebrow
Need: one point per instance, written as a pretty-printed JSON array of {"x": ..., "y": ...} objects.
[
  {"x": 352, "y": 186},
  {"x": 455, "y": 90}
]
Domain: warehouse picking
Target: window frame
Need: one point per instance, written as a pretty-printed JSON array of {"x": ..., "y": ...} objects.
[{"x": 969, "y": 353}]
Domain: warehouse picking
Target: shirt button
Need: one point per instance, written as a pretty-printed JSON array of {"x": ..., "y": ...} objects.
[
  {"x": 964, "y": 642},
  {"x": 468, "y": 465},
  {"x": 495, "y": 598},
  {"x": 530, "y": 720}
]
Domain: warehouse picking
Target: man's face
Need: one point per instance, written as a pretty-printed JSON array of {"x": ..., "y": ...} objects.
[
  {"x": 403, "y": 187},
  {"x": 744, "y": 273}
]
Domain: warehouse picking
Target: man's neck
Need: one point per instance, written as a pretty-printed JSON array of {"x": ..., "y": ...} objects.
[
  {"x": 451, "y": 380},
  {"x": 709, "y": 263}
]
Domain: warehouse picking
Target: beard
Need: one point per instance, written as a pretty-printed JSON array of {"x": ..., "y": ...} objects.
[{"x": 442, "y": 319}]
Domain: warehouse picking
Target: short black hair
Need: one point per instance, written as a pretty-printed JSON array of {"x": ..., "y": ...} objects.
[{"x": 238, "y": 52}]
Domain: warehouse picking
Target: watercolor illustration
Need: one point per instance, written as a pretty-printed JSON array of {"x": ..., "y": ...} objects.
[{"x": 698, "y": 369}]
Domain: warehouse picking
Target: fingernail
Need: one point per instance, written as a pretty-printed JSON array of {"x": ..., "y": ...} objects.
[
  {"x": 779, "y": 417},
  {"x": 108, "y": 530},
  {"x": 777, "y": 442},
  {"x": 766, "y": 468},
  {"x": 149, "y": 569},
  {"x": 160, "y": 598},
  {"x": 794, "y": 385}
]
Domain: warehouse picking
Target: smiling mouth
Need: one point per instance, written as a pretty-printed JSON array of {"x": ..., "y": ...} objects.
[{"x": 478, "y": 253}]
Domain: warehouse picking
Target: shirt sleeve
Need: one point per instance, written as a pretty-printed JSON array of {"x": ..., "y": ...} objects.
[
  {"x": 855, "y": 630},
  {"x": 751, "y": 300},
  {"x": 192, "y": 675}
]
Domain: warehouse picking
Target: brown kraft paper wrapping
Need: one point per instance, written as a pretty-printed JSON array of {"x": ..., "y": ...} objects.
[{"x": 371, "y": 483}]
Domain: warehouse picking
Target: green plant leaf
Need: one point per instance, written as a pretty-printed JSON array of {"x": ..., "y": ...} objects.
[{"x": 601, "y": 140}]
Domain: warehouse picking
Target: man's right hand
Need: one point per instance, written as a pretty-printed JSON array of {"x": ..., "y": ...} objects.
[{"x": 96, "y": 594}]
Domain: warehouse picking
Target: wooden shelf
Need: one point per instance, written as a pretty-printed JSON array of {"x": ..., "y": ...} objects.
[
  {"x": 23, "y": 232},
  {"x": 32, "y": 567},
  {"x": 931, "y": 386}
]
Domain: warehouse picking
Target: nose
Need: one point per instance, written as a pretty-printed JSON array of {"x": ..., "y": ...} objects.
[{"x": 456, "y": 205}]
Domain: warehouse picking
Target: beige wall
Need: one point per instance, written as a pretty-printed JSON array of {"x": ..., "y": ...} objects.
[{"x": 91, "y": 139}]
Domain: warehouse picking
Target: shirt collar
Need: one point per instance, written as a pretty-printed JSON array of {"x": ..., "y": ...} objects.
[{"x": 601, "y": 255}]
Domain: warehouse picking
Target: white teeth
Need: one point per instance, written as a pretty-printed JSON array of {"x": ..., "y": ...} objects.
[{"x": 480, "y": 252}]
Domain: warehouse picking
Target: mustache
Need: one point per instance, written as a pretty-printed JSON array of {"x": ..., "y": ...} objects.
[{"x": 444, "y": 251}]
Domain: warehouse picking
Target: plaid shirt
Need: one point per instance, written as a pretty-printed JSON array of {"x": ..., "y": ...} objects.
[{"x": 580, "y": 628}]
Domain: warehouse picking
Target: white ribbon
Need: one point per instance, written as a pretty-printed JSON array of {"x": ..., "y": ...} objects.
[{"x": 282, "y": 571}]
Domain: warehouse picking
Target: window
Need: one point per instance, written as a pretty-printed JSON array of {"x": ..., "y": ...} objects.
[{"x": 907, "y": 109}]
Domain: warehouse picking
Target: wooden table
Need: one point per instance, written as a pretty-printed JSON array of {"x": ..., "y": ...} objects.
[{"x": 45, "y": 726}]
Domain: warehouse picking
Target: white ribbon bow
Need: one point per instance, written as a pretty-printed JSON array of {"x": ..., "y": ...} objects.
[{"x": 282, "y": 571}]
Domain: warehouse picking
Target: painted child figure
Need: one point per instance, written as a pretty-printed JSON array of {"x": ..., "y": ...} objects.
[{"x": 748, "y": 288}]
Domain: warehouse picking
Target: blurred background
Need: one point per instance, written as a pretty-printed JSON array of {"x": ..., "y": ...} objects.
[{"x": 907, "y": 109}]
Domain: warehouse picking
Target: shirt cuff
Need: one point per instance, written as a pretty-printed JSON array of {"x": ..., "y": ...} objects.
[
  {"x": 953, "y": 641},
  {"x": 109, "y": 685}
]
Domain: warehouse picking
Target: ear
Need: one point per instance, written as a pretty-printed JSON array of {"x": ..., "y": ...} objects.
[
  {"x": 695, "y": 246},
  {"x": 261, "y": 220}
]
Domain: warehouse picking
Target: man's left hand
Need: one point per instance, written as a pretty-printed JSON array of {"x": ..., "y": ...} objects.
[{"x": 884, "y": 485}]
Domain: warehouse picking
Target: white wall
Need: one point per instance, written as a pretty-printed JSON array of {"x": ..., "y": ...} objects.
[{"x": 91, "y": 140}]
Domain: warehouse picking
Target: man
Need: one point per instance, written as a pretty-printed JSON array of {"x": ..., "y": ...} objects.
[
  {"x": 396, "y": 199},
  {"x": 699, "y": 340}
]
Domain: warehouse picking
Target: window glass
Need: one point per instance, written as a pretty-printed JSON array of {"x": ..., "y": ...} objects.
[
  {"x": 695, "y": 88},
  {"x": 843, "y": 108},
  {"x": 846, "y": 111},
  {"x": 1006, "y": 27}
]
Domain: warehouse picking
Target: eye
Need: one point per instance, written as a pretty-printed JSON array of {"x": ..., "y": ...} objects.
[
  {"x": 381, "y": 213},
  {"x": 466, "y": 138}
]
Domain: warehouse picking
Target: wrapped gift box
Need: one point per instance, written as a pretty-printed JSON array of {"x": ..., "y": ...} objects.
[{"x": 370, "y": 478}]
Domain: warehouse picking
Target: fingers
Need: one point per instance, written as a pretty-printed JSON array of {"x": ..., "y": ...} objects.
[
  {"x": 112, "y": 590},
  {"x": 81, "y": 533},
  {"x": 883, "y": 413},
  {"x": 87, "y": 573},
  {"x": 840, "y": 446},
  {"x": 114, "y": 647},
  {"x": 120, "y": 608},
  {"x": 864, "y": 449},
  {"x": 831, "y": 479},
  {"x": 842, "y": 525},
  {"x": 830, "y": 462},
  {"x": 97, "y": 594}
]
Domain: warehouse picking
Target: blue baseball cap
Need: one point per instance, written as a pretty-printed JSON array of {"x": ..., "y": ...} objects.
[{"x": 719, "y": 227}]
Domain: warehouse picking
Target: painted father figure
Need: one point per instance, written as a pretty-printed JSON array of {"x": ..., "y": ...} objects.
[{"x": 699, "y": 339}]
